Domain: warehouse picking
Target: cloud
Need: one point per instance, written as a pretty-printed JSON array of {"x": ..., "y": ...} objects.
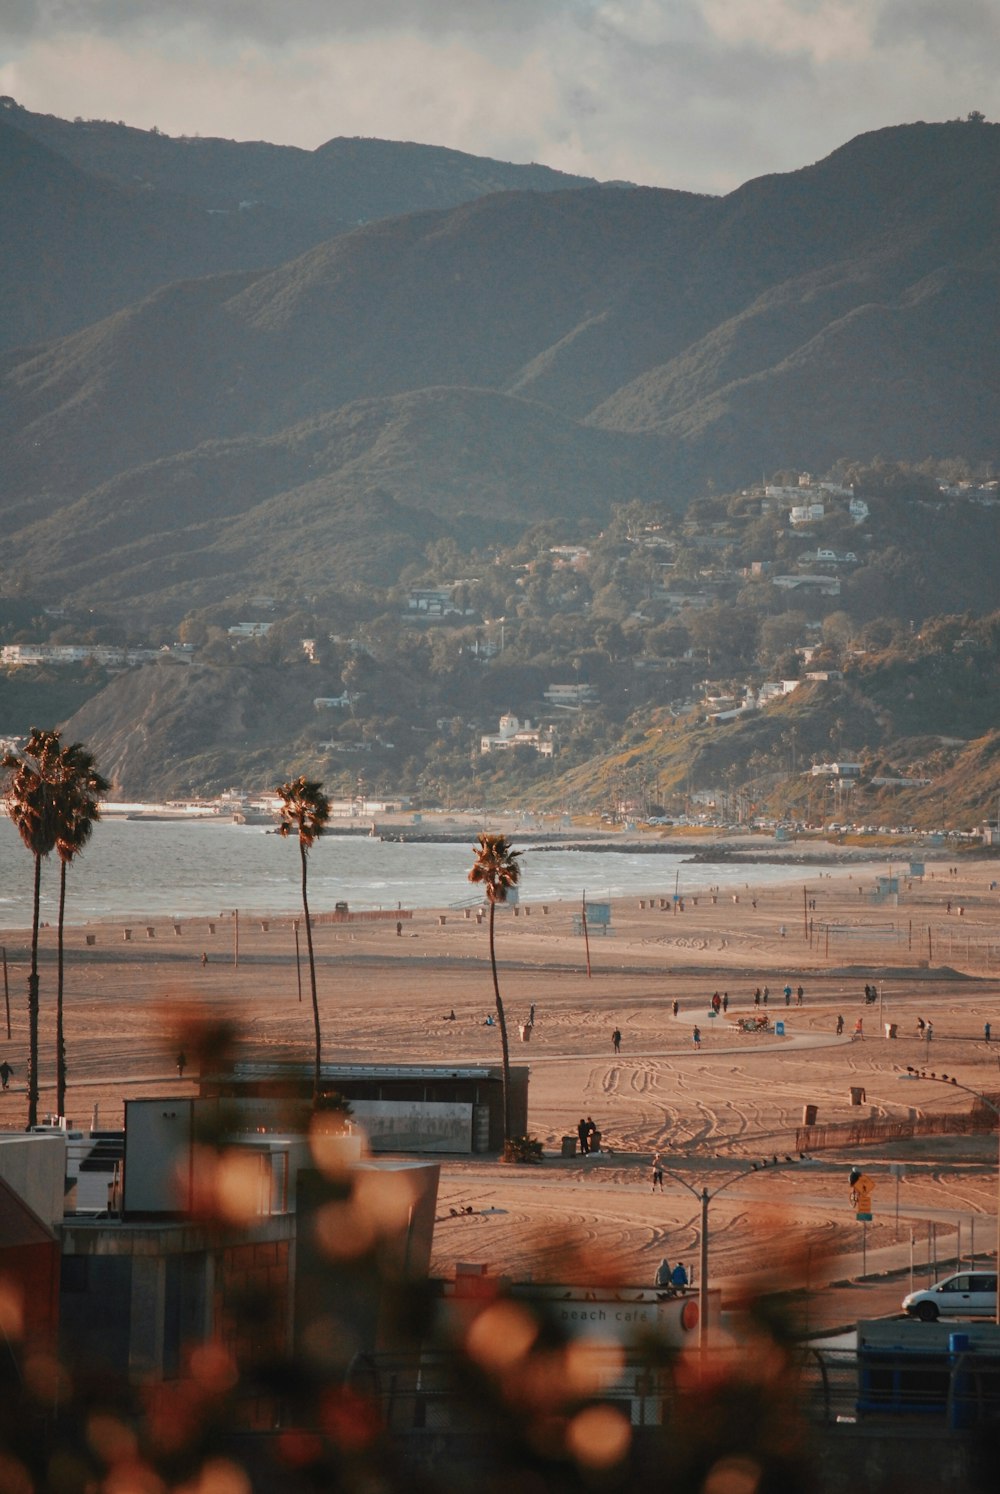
[{"x": 700, "y": 94}]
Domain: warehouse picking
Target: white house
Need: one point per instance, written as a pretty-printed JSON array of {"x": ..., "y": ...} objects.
[
  {"x": 15, "y": 655},
  {"x": 335, "y": 702},
  {"x": 805, "y": 513},
  {"x": 570, "y": 697},
  {"x": 513, "y": 734}
]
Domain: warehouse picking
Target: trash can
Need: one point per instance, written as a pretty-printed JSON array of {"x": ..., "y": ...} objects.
[
  {"x": 891, "y": 1029},
  {"x": 857, "y": 1095},
  {"x": 525, "y": 1031},
  {"x": 809, "y": 1113},
  {"x": 569, "y": 1146}
]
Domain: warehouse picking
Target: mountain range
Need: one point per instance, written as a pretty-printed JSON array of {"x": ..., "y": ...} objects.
[{"x": 519, "y": 355}]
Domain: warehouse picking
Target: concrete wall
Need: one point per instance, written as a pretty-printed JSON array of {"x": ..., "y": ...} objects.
[{"x": 35, "y": 1168}]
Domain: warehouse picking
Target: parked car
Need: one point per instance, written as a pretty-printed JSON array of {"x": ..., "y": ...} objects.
[{"x": 969, "y": 1294}]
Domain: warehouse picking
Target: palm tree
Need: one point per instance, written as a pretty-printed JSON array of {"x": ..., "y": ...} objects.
[
  {"x": 78, "y": 792},
  {"x": 497, "y": 868},
  {"x": 30, "y": 802},
  {"x": 304, "y": 812}
]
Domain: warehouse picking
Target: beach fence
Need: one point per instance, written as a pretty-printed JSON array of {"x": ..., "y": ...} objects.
[
  {"x": 914, "y": 944},
  {"x": 880, "y": 1128},
  {"x": 204, "y": 927}
]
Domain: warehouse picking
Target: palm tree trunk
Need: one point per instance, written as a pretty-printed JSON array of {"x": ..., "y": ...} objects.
[
  {"x": 502, "y": 1023},
  {"x": 312, "y": 974},
  {"x": 33, "y": 1000},
  {"x": 60, "y": 1039}
]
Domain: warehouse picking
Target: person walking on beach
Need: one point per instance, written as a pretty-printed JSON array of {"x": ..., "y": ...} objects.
[
  {"x": 765, "y": 995},
  {"x": 696, "y": 1037},
  {"x": 986, "y": 1037},
  {"x": 756, "y": 997},
  {"x": 840, "y": 1025},
  {"x": 657, "y": 1176},
  {"x": 930, "y": 1031},
  {"x": 799, "y": 993},
  {"x": 616, "y": 1040},
  {"x": 6, "y": 1071},
  {"x": 583, "y": 1134},
  {"x": 675, "y": 1007},
  {"x": 859, "y": 1028},
  {"x": 181, "y": 1065},
  {"x": 788, "y": 995}
]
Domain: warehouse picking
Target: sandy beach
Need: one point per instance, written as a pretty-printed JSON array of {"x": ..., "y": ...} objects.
[{"x": 725, "y": 1106}]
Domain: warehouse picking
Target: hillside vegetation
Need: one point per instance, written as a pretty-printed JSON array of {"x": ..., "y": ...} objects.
[{"x": 511, "y": 445}]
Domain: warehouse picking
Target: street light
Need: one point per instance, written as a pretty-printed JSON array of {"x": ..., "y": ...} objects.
[
  {"x": 957, "y": 1084},
  {"x": 705, "y": 1198}
]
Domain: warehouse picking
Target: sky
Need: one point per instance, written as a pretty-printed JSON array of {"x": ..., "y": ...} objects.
[{"x": 694, "y": 94}]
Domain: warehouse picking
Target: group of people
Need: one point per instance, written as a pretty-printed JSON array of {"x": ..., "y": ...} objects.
[
  {"x": 590, "y": 1136},
  {"x": 671, "y": 1280}
]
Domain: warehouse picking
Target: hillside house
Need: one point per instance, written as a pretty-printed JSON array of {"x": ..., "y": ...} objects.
[
  {"x": 573, "y": 557},
  {"x": 250, "y": 630},
  {"x": 62, "y": 655},
  {"x": 827, "y": 586},
  {"x": 805, "y": 513},
  {"x": 335, "y": 702},
  {"x": 435, "y": 601},
  {"x": 571, "y": 697},
  {"x": 775, "y": 690},
  {"x": 541, "y": 739}
]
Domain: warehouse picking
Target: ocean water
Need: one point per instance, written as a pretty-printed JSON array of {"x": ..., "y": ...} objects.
[{"x": 165, "y": 868}]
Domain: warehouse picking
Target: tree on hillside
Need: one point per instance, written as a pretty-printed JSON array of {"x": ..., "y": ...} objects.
[
  {"x": 304, "y": 812},
  {"x": 30, "y": 801},
  {"x": 78, "y": 790},
  {"x": 496, "y": 867}
]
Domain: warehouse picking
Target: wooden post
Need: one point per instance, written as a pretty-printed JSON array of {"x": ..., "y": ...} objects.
[
  {"x": 6, "y": 991},
  {"x": 805, "y": 912},
  {"x": 298, "y": 962}
]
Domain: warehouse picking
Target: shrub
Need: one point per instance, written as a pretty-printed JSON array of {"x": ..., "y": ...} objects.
[{"x": 522, "y": 1149}]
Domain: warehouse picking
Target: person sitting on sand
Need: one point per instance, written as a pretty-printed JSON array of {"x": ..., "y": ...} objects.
[
  {"x": 662, "y": 1277},
  {"x": 678, "y": 1277}
]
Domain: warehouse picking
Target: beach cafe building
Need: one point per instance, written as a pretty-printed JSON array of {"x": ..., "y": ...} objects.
[{"x": 424, "y": 1108}]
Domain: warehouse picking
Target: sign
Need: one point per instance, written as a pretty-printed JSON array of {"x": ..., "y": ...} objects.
[
  {"x": 862, "y": 1187},
  {"x": 414, "y": 1125}
]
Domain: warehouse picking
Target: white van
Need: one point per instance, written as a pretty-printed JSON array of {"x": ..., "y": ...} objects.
[{"x": 969, "y": 1294}]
